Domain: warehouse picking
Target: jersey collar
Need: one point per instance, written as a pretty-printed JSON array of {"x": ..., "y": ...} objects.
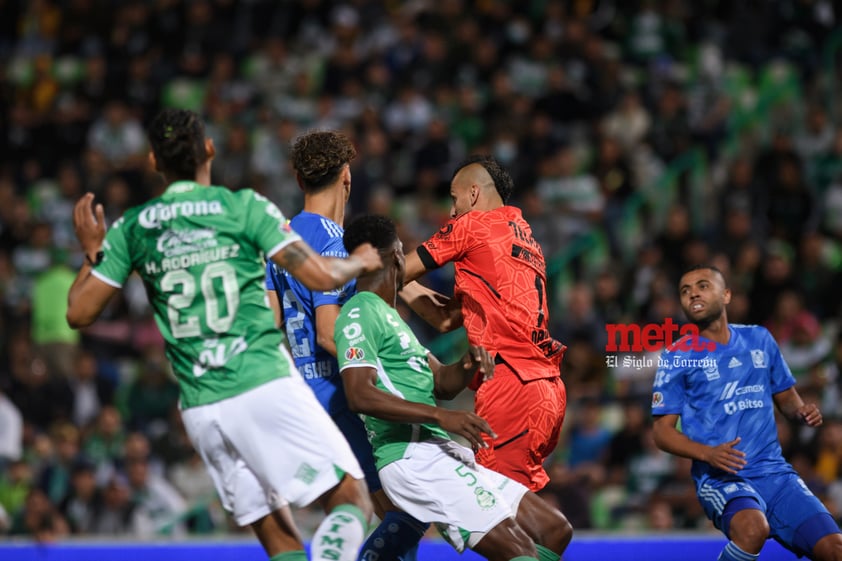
[{"x": 181, "y": 186}]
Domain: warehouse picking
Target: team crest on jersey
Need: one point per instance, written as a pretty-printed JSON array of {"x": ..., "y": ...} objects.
[
  {"x": 711, "y": 370},
  {"x": 758, "y": 358},
  {"x": 657, "y": 399},
  {"x": 485, "y": 499},
  {"x": 354, "y": 353},
  {"x": 285, "y": 227},
  {"x": 445, "y": 230}
]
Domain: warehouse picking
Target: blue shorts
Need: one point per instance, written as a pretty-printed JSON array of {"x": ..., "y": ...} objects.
[
  {"x": 354, "y": 430},
  {"x": 784, "y": 498}
]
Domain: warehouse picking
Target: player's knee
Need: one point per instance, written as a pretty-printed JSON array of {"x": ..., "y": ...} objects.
[
  {"x": 749, "y": 530},
  {"x": 544, "y": 524},
  {"x": 506, "y": 541}
]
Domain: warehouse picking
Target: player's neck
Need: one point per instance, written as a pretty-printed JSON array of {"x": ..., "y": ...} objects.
[
  {"x": 329, "y": 203},
  {"x": 717, "y": 331},
  {"x": 380, "y": 283}
]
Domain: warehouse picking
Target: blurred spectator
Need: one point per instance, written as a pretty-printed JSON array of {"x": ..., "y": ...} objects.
[
  {"x": 116, "y": 517},
  {"x": 11, "y": 432},
  {"x": 152, "y": 395},
  {"x": 159, "y": 507},
  {"x": 104, "y": 443},
  {"x": 39, "y": 519},
  {"x": 91, "y": 389},
  {"x": 55, "y": 343},
  {"x": 83, "y": 504},
  {"x": 119, "y": 137},
  {"x": 54, "y": 480}
]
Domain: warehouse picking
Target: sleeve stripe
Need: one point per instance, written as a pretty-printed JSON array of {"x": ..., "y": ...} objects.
[
  {"x": 283, "y": 244},
  {"x": 426, "y": 258},
  {"x": 106, "y": 280},
  {"x": 358, "y": 365}
]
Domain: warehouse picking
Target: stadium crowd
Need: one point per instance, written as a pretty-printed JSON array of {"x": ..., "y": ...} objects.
[{"x": 644, "y": 137}]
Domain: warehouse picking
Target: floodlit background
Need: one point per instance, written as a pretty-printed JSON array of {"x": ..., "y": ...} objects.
[{"x": 643, "y": 136}]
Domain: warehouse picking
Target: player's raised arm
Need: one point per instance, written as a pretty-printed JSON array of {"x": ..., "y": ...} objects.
[
  {"x": 88, "y": 295},
  {"x": 317, "y": 272},
  {"x": 440, "y": 311},
  {"x": 451, "y": 379}
]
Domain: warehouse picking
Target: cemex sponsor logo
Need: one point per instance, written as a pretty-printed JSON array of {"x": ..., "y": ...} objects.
[{"x": 652, "y": 337}]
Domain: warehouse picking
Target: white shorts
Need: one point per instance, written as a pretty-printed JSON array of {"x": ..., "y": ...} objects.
[
  {"x": 439, "y": 482},
  {"x": 269, "y": 447}
]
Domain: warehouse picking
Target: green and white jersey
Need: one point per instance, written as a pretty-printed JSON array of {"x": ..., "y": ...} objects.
[
  {"x": 369, "y": 332},
  {"x": 200, "y": 253}
]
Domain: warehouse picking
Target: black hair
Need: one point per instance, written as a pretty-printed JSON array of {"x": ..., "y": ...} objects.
[
  {"x": 502, "y": 180},
  {"x": 319, "y": 156},
  {"x": 377, "y": 230},
  {"x": 177, "y": 138},
  {"x": 713, "y": 268}
]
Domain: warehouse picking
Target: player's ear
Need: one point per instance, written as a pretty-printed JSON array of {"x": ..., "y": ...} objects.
[
  {"x": 726, "y": 296},
  {"x": 210, "y": 149},
  {"x": 153, "y": 161},
  {"x": 474, "y": 194}
]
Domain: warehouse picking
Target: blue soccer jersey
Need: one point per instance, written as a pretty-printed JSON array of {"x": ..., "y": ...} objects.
[
  {"x": 724, "y": 393},
  {"x": 299, "y": 304}
]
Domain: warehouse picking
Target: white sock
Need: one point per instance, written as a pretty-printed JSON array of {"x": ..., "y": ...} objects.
[{"x": 340, "y": 535}]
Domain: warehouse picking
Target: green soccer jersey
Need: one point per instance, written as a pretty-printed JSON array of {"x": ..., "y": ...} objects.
[
  {"x": 200, "y": 251},
  {"x": 369, "y": 332}
]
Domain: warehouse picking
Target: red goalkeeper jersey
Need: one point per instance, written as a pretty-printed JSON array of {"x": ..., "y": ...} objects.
[{"x": 501, "y": 277}]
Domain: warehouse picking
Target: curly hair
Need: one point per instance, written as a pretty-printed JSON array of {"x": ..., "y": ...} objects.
[
  {"x": 318, "y": 157},
  {"x": 177, "y": 138},
  {"x": 502, "y": 180}
]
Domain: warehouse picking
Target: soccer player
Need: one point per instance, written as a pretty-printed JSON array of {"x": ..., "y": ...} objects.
[
  {"x": 724, "y": 385},
  {"x": 260, "y": 431},
  {"x": 394, "y": 381},
  {"x": 501, "y": 282},
  {"x": 321, "y": 161}
]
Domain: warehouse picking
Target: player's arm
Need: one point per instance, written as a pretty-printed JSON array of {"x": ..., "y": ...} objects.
[
  {"x": 669, "y": 439},
  {"x": 366, "y": 398},
  {"x": 789, "y": 403},
  {"x": 87, "y": 298},
  {"x": 325, "y": 321},
  {"x": 414, "y": 267},
  {"x": 88, "y": 295},
  {"x": 451, "y": 379},
  {"x": 317, "y": 272},
  {"x": 440, "y": 311},
  {"x": 275, "y": 306}
]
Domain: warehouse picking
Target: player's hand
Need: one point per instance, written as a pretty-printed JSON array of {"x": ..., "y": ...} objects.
[
  {"x": 809, "y": 414},
  {"x": 477, "y": 358},
  {"x": 89, "y": 223},
  {"x": 467, "y": 425},
  {"x": 726, "y": 457},
  {"x": 369, "y": 257}
]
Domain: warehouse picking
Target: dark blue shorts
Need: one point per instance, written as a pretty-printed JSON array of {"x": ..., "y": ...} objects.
[
  {"x": 784, "y": 498},
  {"x": 354, "y": 430}
]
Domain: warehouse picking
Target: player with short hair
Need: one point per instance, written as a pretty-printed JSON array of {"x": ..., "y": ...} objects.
[
  {"x": 726, "y": 399},
  {"x": 199, "y": 249},
  {"x": 501, "y": 282},
  {"x": 321, "y": 160},
  {"x": 394, "y": 381}
]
